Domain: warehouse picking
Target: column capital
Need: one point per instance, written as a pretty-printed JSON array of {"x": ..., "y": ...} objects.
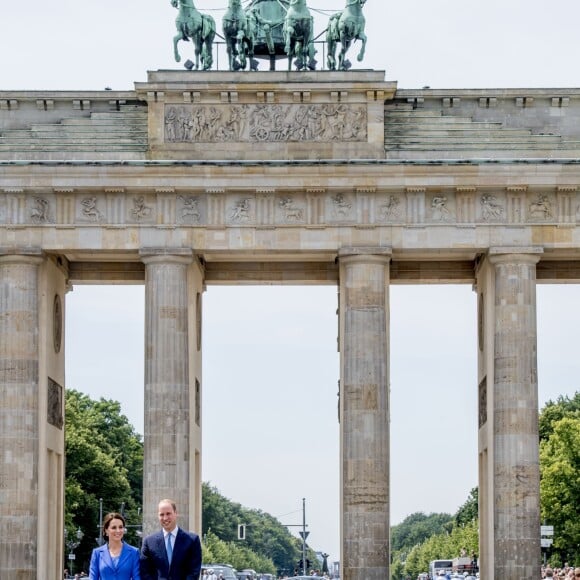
[
  {"x": 21, "y": 256},
  {"x": 166, "y": 255},
  {"x": 526, "y": 254},
  {"x": 365, "y": 253}
]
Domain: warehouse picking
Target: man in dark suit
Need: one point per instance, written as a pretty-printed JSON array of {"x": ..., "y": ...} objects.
[{"x": 171, "y": 553}]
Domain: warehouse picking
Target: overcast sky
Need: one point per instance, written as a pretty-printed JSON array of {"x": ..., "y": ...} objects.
[{"x": 270, "y": 361}]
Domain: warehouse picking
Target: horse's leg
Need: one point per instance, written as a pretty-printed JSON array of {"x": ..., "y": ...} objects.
[
  {"x": 197, "y": 43},
  {"x": 208, "y": 52},
  {"x": 345, "y": 42},
  {"x": 230, "y": 53},
  {"x": 176, "y": 39},
  {"x": 290, "y": 33},
  {"x": 331, "y": 56},
  {"x": 362, "y": 37}
]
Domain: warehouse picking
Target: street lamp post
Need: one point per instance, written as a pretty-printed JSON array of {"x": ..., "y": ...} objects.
[{"x": 72, "y": 544}]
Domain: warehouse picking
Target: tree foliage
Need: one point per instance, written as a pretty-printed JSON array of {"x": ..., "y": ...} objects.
[
  {"x": 417, "y": 528},
  {"x": 560, "y": 488},
  {"x": 555, "y": 411},
  {"x": 469, "y": 511},
  {"x": 104, "y": 459},
  {"x": 264, "y": 534}
]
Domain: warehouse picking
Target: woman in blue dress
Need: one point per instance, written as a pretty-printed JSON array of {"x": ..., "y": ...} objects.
[{"x": 114, "y": 560}]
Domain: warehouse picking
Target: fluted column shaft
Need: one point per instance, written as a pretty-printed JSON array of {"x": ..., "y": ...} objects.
[
  {"x": 515, "y": 419},
  {"x": 364, "y": 322},
  {"x": 167, "y": 403},
  {"x": 19, "y": 422}
]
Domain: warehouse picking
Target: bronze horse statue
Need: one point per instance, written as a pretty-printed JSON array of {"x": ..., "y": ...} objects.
[
  {"x": 238, "y": 32},
  {"x": 345, "y": 27},
  {"x": 299, "y": 35},
  {"x": 200, "y": 28}
]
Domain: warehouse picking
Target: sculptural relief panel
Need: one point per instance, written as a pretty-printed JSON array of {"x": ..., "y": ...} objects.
[
  {"x": 391, "y": 208},
  {"x": 267, "y": 123},
  {"x": 414, "y": 206},
  {"x": 492, "y": 208},
  {"x": 191, "y": 209},
  {"x": 41, "y": 209},
  {"x": 341, "y": 208},
  {"x": 141, "y": 209},
  {"x": 442, "y": 209},
  {"x": 291, "y": 209}
]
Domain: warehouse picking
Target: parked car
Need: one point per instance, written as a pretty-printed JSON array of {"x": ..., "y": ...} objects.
[{"x": 225, "y": 570}]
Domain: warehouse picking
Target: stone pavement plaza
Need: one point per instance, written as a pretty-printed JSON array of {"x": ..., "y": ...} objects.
[{"x": 325, "y": 177}]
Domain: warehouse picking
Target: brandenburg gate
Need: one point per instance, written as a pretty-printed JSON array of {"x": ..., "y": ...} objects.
[{"x": 314, "y": 177}]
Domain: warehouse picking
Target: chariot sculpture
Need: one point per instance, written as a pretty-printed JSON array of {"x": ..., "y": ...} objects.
[{"x": 269, "y": 29}]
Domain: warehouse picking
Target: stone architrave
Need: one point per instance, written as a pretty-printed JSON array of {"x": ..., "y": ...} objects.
[
  {"x": 19, "y": 414},
  {"x": 168, "y": 418},
  {"x": 364, "y": 412},
  {"x": 516, "y": 471}
]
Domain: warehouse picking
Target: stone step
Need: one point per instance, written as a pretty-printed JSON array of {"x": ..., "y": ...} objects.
[
  {"x": 438, "y": 121},
  {"x": 97, "y": 120},
  {"x": 442, "y": 141},
  {"x": 80, "y": 129},
  {"x": 479, "y": 126},
  {"x": 46, "y": 137},
  {"x": 451, "y": 133},
  {"x": 406, "y": 155},
  {"x": 70, "y": 147},
  {"x": 420, "y": 113},
  {"x": 484, "y": 147}
]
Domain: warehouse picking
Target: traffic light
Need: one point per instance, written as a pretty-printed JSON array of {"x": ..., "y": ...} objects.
[{"x": 241, "y": 531}]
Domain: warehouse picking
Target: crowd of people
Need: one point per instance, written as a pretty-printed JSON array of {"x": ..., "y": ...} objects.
[{"x": 566, "y": 572}]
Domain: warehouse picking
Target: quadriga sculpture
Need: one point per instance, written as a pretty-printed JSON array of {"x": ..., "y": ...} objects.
[
  {"x": 238, "y": 31},
  {"x": 345, "y": 27},
  {"x": 299, "y": 35},
  {"x": 200, "y": 28}
]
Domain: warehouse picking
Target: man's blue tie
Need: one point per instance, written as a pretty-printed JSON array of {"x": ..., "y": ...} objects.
[{"x": 169, "y": 548}]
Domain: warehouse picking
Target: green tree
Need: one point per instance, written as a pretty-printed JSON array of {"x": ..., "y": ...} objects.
[
  {"x": 469, "y": 511},
  {"x": 560, "y": 486},
  {"x": 265, "y": 535},
  {"x": 416, "y": 528},
  {"x": 555, "y": 411},
  {"x": 104, "y": 459}
]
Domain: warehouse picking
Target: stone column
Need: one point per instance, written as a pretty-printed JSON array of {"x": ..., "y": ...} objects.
[
  {"x": 364, "y": 412},
  {"x": 516, "y": 472},
  {"x": 167, "y": 402},
  {"x": 19, "y": 415}
]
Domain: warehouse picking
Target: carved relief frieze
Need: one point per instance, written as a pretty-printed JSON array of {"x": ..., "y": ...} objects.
[
  {"x": 390, "y": 210},
  {"x": 341, "y": 207},
  {"x": 482, "y": 400},
  {"x": 89, "y": 209},
  {"x": 40, "y": 211},
  {"x": 241, "y": 211},
  {"x": 265, "y": 123},
  {"x": 291, "y": 212},
  {"x": 269, "y": 207},
  {"x": 492, "y": 208},
  {"x": 189, "y": 210},
  {"x": 441, "y": 210},
  {"x": 541, "y": 208},
  {"x": 140, "y": 210},
  {"x": 54, "y": 404}
]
